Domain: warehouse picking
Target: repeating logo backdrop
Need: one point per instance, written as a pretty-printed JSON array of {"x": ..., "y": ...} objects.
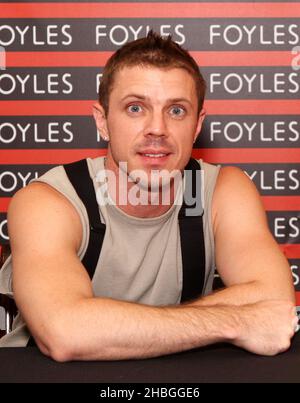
[{"x": 51, "y": 59}]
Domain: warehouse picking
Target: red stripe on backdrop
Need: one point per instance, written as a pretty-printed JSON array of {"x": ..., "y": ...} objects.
[
  {"x": 149, "y": 10},
  {"x": 98, "y": 59},
  {"x": 37, "y": 108},
  {"x": 298, "y": 298},
  {"x": 252, "y": 107},
  {"x": 285, "y": 203},
  {"x": 271, "y": 203},
  {"x": 213, "y": 107},
  {"x": 62, "y": 59},
  {"x": 240, "y": 58},
  {"x": 49, "y": 156},
  {"x": 291, "y": 251},
  {"x": 4, "y": 202},
  {"x": 248, "y": 155},
  {"x": 213, "y": 155}
]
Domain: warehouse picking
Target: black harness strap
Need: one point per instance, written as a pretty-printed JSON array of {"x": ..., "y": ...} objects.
[
  {"x": 78, "y": 174},
  {"x": 192, "y": 237}
]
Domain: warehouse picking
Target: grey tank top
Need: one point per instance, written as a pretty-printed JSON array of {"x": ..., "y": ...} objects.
[{"x": 140, "y": 259}]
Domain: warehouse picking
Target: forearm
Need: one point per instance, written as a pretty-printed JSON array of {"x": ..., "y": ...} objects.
[
  {"x": 105, "y": 329},
  {"x": 247, "y": 293}
]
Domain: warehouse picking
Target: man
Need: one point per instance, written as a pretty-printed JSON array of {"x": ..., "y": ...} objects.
[{"x": 150, "y": 111}]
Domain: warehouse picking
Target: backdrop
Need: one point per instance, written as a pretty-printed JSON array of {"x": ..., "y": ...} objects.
[{"x": 51, "y": 58}]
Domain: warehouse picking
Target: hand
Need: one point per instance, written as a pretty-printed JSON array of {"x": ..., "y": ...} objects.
[{"x": 266, "y": 327}]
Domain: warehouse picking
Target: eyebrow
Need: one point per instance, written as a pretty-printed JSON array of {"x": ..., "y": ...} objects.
[{"x": 143, "y": 98}]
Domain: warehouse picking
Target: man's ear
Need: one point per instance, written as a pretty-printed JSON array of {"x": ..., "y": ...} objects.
[
  {"x": 101, "y": 122},
  {"x": 201, "y": 117}
]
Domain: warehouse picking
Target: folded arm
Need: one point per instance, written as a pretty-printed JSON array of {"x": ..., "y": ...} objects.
[{"x": 55, "y": 296}]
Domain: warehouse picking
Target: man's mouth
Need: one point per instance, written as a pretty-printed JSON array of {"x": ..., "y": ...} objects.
[
  {"x": 154, "y": 158},
  {"x": 154, "y": 155},
  {"x": 154, "y": 152}
]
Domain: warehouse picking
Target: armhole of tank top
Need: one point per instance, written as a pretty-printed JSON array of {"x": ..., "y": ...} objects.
[
  {"x": 93, "y": 174},
  {"x": 212, "y": 172}
]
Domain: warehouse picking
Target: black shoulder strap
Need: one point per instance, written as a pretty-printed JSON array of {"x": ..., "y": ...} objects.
[
  {"x": 78, "y": 174},
  {"x": 191, "y": 234}
]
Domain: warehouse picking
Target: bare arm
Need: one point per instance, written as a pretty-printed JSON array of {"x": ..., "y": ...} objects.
[
  {"x": 248, "y": 259},
  {"x": 255, "y": 272},
  {"x": 55, "y": 296}
]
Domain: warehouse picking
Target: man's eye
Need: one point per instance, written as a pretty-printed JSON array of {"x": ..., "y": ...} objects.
[
  {"x": 134, "y": 108},
  {"x": 177, "y": 111}
]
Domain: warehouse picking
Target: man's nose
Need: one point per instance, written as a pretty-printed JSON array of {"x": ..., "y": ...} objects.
[{"x": 156, "y": 124}]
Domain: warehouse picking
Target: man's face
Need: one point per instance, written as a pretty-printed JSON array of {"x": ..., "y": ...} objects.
[{"x": 152, "y": 120}]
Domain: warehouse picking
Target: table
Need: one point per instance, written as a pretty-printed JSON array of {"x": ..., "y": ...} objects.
[{"x": 216, "y": 363}]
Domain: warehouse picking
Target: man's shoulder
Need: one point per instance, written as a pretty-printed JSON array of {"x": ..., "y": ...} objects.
[
  {"x": 39, "y": 212},
  {"x": 233, "y": 177},
  {"x": 37, "y": 196},
  {"x": 234, "y": 192},
  {"x": 43, "y": 194},
  {"x": 233, "y": 182}
]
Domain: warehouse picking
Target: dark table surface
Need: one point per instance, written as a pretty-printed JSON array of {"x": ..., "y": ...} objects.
[{"x": 217, "y": 363}]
